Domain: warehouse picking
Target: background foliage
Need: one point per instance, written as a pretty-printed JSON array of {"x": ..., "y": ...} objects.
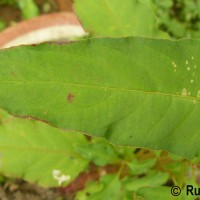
[
  {"x": 180, "y": 18},
  {"x": 28, "y": 7}
]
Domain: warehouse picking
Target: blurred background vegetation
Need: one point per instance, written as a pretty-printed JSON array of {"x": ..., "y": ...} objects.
[
  {"x": 179, "y": 18},
  {"x": 135, "y": 167},
  {"x": 13, "y": 11}
]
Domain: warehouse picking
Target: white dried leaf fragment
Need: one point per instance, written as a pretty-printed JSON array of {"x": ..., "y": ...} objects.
[{"x": 61, "y": 178}]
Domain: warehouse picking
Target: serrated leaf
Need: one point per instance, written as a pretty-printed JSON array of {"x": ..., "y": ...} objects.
[
  {"x": 150, "y": 180},
  {"x": 140, "y": 167},
  {"x": 111, "y": 189},
  {"x": 132, "y": 91},
  {"x": 158, "y": 193},
  {"x": 34, "y": 151},
  {"x": 90, "y": 189},
  {"x": 100, "y": 152}
]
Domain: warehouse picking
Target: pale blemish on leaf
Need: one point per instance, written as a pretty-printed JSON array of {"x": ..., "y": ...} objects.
[
  {"x": 184, "y": 92},
  {"x": 186, "y": 62},
  {"x": 188, "y": 68},
  {"x": 56, "y": 173},
  {"x": 174, "y": 64},
  {"x": 198, "y": 94},
  {"x": 194, "y": 101},
  {"x": 191, "y": 81},
  {"x": 12, "y": 74},
  {"x": 192, "y": 57}
]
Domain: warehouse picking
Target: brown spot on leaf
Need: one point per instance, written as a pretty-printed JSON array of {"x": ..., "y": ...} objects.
[
  {"x": 12, "y": 74},
  {"x": 70, "y": 97}
]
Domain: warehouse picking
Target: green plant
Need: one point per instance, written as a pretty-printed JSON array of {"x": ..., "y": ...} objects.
[
  {"x": 131, "y": 91},
  {"x": 180, "y": 18},
  {"x": 2, "y": 25},
  {"x": 28, "y": 8},
  {"x": 7, "y": 2}
]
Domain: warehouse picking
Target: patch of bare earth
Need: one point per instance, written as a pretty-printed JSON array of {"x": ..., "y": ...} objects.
[{"x": 21, "y": 190}]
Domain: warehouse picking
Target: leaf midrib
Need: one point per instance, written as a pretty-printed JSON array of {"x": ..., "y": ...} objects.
[{"x": 105, "y": 88}]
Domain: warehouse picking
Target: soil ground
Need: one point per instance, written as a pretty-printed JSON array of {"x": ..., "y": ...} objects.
[{"x": 21, "y": 190}]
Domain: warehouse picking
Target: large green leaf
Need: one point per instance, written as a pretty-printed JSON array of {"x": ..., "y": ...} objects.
[
  {"x": 117, "y": 18},
  {"x": 38, "y": 152},
  {"x": 131, "y": 91}
]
